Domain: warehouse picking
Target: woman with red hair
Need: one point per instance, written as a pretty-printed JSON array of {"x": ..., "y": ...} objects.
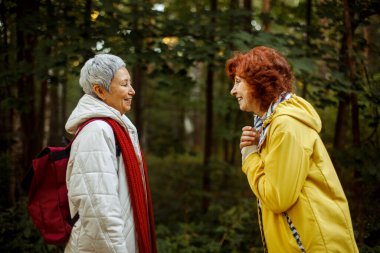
[{"x": 301, "y": 203}]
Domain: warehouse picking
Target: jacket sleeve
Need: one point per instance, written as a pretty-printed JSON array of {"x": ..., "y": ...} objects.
[
  {"x": 277, "y": 181},
  {"x": 93, "y": 189}
]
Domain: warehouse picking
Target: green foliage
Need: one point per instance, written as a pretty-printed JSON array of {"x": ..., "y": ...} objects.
[
  {"x": 18, "y": 234},
  {"x": 230, "y": 224},
  {"x": 220, "y": 230},
  {"x": 359, "y": 170}
]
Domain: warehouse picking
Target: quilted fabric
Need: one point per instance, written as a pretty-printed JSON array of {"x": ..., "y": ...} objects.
[{"x": 97, "y": 185}]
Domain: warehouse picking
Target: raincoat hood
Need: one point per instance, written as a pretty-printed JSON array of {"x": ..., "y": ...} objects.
[
  {"x": 302, "y": 203},
  {"x": 92, "y": 107},
  {"x": 298, "y": 108}
]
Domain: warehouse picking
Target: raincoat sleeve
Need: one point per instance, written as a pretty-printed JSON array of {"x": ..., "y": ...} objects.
[
  {"x": 93, "y": 188},
  {"x": 278, "y": 179}
]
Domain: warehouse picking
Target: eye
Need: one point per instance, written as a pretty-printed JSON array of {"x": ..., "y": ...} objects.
[{"x": 126, "y": 83}]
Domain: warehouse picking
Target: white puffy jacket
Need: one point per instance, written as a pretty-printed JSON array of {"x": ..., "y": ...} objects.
[{"x": 97, "y": 184}]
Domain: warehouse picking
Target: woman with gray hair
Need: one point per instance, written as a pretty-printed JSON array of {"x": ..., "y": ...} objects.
[{"x": 106, "y": 177}]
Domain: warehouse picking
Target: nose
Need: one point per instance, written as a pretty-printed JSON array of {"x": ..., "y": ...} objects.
[
  {"x": 132, "y": 92},
  {"x": 233, "y": 91}
]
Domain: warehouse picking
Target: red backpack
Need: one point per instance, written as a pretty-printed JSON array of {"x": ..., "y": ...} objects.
[{"x": 48, "y": 203}]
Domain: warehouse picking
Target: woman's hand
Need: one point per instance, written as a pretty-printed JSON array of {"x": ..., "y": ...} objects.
[{"x": 250, "y": 136}]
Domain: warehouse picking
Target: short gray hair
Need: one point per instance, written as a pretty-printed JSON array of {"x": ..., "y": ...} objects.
[{"x": 99, "y": 70}]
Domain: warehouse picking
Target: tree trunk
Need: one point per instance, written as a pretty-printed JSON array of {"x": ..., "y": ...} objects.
[
  {"x": 137, "y": 76},
  {"x": 227, "y": 143},
  {"x": 235, "y": 144},
  {"x": 209, "y": 119},
  {"x": 247, "y": 5},
  {"x": 208, "y": 136},
  {"x": 350, "y": 62},
  {"x": 351, "y": 72},
  {"x": 266, "y": 15},
  {"x": 54, "y": 116},
  {"x": 7, "y": 116},
  {"x": 63, "y": 100},
  {"x": 86, "y": 29},
  {"x": 138, "y": 100},
  {"x": 26, "y": 43},
  {"x": 47, "y": 111},
  {"x": 308, "y": 43},
  {"x": 340, "y": 136}
]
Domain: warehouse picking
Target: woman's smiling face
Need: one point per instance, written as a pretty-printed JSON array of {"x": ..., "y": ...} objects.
[
  {"x": 243, "y": 93},
  {"x": 121, "y": 91}
]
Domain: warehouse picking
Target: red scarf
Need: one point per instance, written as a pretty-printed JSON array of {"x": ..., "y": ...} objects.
[{"x": 140, "y": 195}]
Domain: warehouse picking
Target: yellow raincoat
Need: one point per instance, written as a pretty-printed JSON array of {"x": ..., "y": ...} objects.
[{"x": 293, "y": 173}]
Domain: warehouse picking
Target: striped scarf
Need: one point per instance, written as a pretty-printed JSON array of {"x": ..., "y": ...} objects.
[{"x": 258, "y": 121}]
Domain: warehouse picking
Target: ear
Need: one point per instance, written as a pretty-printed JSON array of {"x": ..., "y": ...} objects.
[{"x": 99, "y": 91}]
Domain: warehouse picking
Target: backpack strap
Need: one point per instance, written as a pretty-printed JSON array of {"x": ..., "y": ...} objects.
[
  {"x": 74, "y": 219},
  {"x": 118, "y": 150},
  {"x": 66, "y": 152},
  {"x": 81, "y": 127},
  {"x": 67, "y": 149}
]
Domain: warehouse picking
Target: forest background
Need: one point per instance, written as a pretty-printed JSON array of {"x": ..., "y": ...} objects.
[{"x": 189, "y": 125}]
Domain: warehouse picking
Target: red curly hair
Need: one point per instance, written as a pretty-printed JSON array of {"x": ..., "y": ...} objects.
[{"x": 265, "y": 70}]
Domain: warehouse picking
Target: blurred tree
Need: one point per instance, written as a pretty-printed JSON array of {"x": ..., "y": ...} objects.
[
  {"x": 266, "y": 15},
  {"x": 189, "y": 123},
  {"x": 208, "y": 144}
]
